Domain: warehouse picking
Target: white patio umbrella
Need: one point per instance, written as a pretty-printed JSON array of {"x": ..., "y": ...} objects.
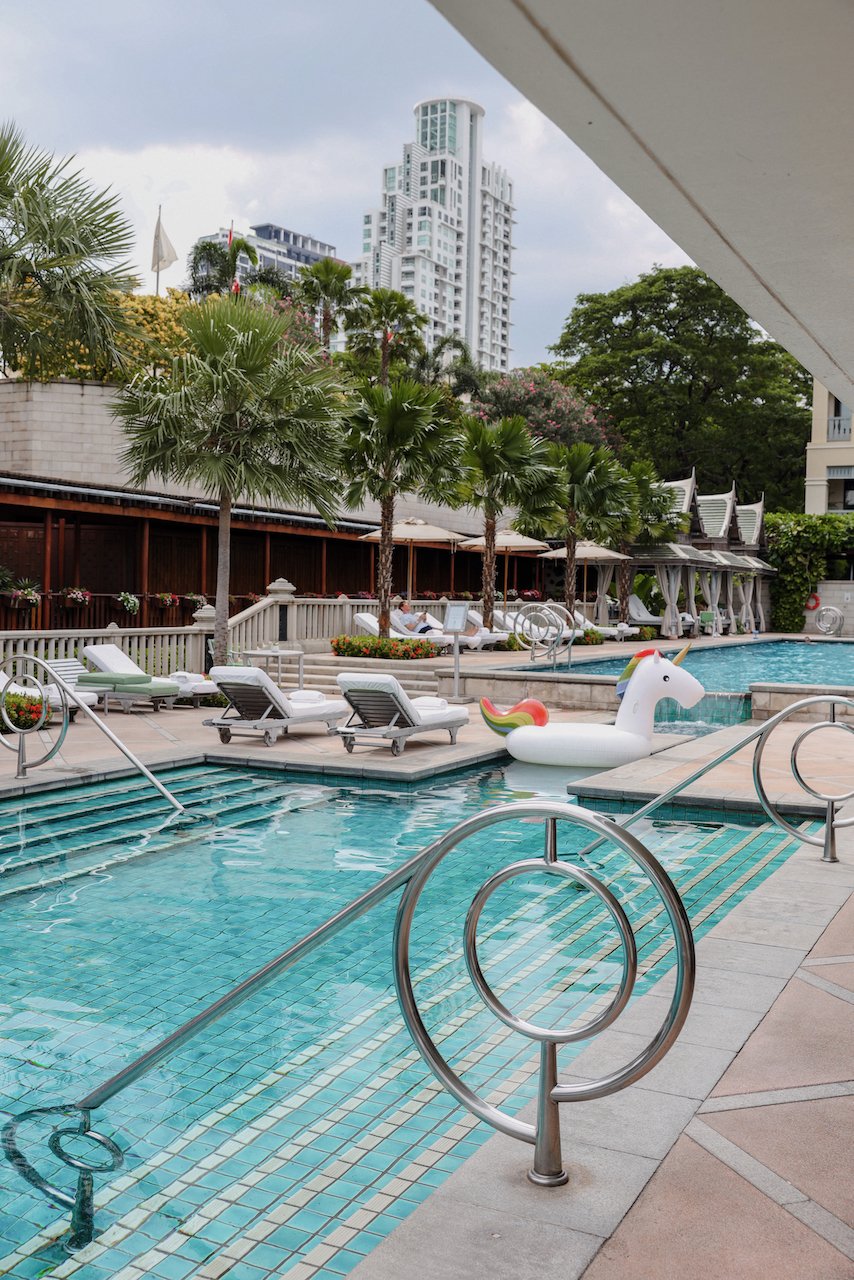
[
  {"x": 411, "y": 531},
  {"x": 592, "y": 553},
  {"x": 506, "y": 541}
]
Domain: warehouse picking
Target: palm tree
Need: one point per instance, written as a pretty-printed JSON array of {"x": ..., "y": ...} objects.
[
  {"x": 244, "y": 414},
  {"x": 397, "y": 442},
  {"x": 460, "y": 372},
  {"x": 388, "y": 323},
  {"x": 649, "y": 517},
  {"x": 63, "y": 261},
  {"x": 595, "y": 497},
  {"x": 213, "y": 266},
  {"x": 504, "y": 466},
  {"x": 326, "y": 287}
]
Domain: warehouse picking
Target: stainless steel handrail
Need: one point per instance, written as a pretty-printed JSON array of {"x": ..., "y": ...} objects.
[
  {"x": 81, "y": 1202},
  {"x": 549, "y": 625},
  {"x": 764, "y": 731},
  {"x": 67, "y": 696}
]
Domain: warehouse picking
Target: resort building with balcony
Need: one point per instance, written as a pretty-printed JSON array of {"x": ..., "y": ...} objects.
[
  {"x": 830, "y": 455},
  {"x": 276, "y": 246}
]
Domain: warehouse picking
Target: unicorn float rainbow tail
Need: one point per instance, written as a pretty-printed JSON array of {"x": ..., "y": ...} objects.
[{"x": 528, "y": 711}]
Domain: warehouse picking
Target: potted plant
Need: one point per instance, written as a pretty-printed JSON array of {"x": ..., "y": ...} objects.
[
  {"x": 166, "y": 599},
  {"x": 75, "y": 597},
  {"x": 196, "y": 600},
  {"x": 253, "y": 597},
  {"x": 24, "y": 594},
  {"x": 128, "y": 601}
]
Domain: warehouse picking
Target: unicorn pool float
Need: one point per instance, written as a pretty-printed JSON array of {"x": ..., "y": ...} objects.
[{"x": 646, "y": 680}]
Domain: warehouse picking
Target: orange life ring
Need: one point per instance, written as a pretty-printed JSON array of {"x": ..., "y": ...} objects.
[{"x": 813, "y": 601}]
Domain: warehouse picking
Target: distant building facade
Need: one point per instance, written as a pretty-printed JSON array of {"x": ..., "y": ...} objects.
[
  {"x": 276, "y": 246},
  {"x": 830, "y": 456},
  {"x": 443, "y": 233}
]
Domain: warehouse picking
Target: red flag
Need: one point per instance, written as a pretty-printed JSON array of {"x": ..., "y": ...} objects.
[
  {"x": 230, "y": 234},
  {"x": 235, "y": 285}
]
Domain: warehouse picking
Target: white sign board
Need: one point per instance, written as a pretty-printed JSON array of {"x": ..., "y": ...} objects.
[{"x": 456, "y": 618}]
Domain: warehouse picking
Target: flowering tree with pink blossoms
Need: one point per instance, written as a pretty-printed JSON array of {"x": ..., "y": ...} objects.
[{"x": 551, "y": 410}]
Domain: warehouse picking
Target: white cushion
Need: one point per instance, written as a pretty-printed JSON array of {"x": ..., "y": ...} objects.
[
  {"x": 412, "y": 708},
  {"x": 306, "y": 695},
  {"x": 109, "y": 657},
  {"x": 428, "y": 702}
]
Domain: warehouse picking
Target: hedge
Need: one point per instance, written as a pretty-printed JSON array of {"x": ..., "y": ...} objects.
[
  {"x": 798, "y": 548},
  {"x": 23, "y": 711},
  {"x": 377, "y": 647}
]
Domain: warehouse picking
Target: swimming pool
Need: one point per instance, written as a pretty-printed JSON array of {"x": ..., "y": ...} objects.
[
  {"x": 733, "y": 668},
  {"x": 304, "y": 1117}
]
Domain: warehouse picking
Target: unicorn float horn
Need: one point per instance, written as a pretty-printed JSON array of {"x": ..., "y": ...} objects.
[{"x": 527, "y": 712}]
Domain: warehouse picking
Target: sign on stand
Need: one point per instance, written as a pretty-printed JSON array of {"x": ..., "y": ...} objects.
[{"x": 456, "y": 621}]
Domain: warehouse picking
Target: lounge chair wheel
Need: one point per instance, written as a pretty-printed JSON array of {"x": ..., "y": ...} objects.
[
  {"x": 397, "y": 747},
  {"x": 269, "y": 737},
  {"x": 349, "y": 744},
  {"x": 225, "y": 735}
]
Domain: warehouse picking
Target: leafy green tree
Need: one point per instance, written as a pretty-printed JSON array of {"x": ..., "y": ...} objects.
[
  {"x": 213, "y": 266},
  {"x": 550, "y": 409},
  {"x": 326, "y": 288},
  {"x": 386, "y": 323},
  {"x": 595, "y": 502},
  {"x": 244, "y": 413},
  {"x": 64, "y": 266},
  {"x": 503, "y": 465},
  {"x": 688, "y": 379},
  {"x": 280, "y": 287},
  {"x": 398, "y": 441}
]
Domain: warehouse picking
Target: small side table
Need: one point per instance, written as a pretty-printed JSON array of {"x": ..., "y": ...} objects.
[{"x": 265, "y": 656}]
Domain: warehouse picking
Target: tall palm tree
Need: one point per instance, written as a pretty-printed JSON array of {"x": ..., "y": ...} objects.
[
  {"x": 504, "y": 466},
  {"x": 649, "y": 517},
  {"x": 397, "y": 442},
  {"x": 63, "y": 261},
  {"x": 388, "y": 323},
  {"x": 595, "y": 497},
  {"x": 326, "y": 287},
  {"x": 244, "y": 414},
  {"x": 213, "y": 266}
]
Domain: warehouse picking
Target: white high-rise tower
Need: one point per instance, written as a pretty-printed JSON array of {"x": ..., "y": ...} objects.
[{"x": 442, "y": 235}]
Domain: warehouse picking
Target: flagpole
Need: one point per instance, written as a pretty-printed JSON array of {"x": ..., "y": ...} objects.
[{"x": 157, "y": 287}]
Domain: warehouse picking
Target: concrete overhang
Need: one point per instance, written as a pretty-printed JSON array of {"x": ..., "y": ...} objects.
[{"x": 729, "y": 122}]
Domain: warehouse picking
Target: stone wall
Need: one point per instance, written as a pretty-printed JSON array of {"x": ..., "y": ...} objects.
[{"x": 64, "y": 431}]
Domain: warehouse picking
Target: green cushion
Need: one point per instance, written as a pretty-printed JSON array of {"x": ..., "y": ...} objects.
[{"x": 110, "y": 679}]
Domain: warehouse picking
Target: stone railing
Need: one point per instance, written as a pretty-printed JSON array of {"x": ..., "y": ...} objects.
[{"x": 158, "y": 650}]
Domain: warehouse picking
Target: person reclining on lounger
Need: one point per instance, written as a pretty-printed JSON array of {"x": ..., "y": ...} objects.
[{"x": 415, "y": 622}]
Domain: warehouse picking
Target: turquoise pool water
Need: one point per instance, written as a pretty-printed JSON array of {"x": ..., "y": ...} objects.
[
  {"x": 732, "y": 669},
  {"x": 305, "y": 1116}
]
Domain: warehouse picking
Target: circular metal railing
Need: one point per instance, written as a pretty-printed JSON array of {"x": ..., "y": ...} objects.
[
  {"x": 545, "y": 1134},
  {"x": 19, "y": 679},
  {"x": 545, "y": 628},
  {"x": 827, "y": 839},
  {"x": 829, "y": 620}
]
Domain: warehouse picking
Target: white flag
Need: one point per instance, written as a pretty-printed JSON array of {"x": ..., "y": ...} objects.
[{"x": 163, "y": 253}]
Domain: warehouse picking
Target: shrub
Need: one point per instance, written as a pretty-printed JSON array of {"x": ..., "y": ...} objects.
[
  {"x": 511, "y": 645},
  {"x": 590, "y": 637},
  {"x": 798, "y": 548},
  {"x": 648, "y": 633},
  {"x": 376, "y": 647},
  {"x": 23, "y": 711}
]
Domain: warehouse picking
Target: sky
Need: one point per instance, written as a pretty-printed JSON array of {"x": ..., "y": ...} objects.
[{"x": 286, "y": 113}]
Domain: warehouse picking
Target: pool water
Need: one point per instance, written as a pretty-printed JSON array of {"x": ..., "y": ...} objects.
[
  {"x": 733, "y": 668},
  {"x": 305, "y": 1116}
]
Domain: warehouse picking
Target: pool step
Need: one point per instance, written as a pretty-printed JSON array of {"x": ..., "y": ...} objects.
[{"x": 56, "y": 855}]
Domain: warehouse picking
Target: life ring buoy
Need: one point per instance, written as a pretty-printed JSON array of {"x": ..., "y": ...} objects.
[{"x": 813, "y": 601}]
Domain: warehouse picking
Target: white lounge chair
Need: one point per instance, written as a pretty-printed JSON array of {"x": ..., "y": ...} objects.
[
  {"x": 639, "y": 614},
  {"x": 132, "y": 679},
  {"x": 257, "y": 705},
  {"x": 619, "y": 631},
  {"x": 370, "y": 626},
  {"x": 383, "y": 711},
  {"x": 488, "y": 638}
]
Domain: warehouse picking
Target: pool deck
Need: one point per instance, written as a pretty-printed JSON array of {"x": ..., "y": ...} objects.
[{"x": 733, "y": 1158}]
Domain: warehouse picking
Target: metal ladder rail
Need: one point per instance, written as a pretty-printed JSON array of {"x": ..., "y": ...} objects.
[
  {"x": 764, "y": 731},
  {"x": 67, "y": 695}
]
